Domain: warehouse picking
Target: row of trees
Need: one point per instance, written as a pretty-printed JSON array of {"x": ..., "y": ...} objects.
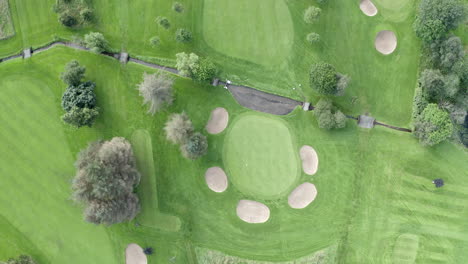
[
  {"x": 312, "y": 15},
  {"x": 73, "y": 13},
  {"x": 441, "y": 100}
]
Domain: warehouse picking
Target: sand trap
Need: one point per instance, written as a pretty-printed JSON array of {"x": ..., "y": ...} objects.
[
  {"x": 218, "y": 121},
  {"x": 309, "y": 160},
  {"x": 368, "y": 8},
  {"x": 302, "y": 196},
  {"x": 252, "y": 212},
  {"x": 134, "y": 255},
  {"x": 386, "y": 42},
  {"x": 216, "y": 179}
]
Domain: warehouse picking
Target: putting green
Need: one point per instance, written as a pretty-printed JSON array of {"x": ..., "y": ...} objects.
[
  {"x": 260, "y": 31},
  {"x": 259, "y": 156}
]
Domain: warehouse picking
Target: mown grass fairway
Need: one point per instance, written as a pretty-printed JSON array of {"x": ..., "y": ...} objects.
[{"x": 260, "y": 156}]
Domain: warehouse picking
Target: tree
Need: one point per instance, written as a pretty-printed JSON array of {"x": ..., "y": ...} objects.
[
  {"x": 178, "y": 128},
  {"x": 436, "y": 17},
  {"x": 433, "y": 126},
  {"x": 451, "y": 51},
  {"x": 186, "y": 64},
  {"x": 342, "y": 84},
  {"x": 96, "y": 42},
  {"x": 68, "y": 20},
  {"x": 313, "y": 38},
  {"x": 22, "y": 259},
  {"x": 432, "y": 84},
  {"x": 178, "y": 7},
  {"x": 105, "y": 179},
  {"x": 195, "y": 147},
  {"x": 163, "y": 22},
  {"x": 156, "y": 90},
  {"x": 323, "y": 78},
  {"x": 340, "y": 119},
  {"x": 183, "y": 36},
  {"x": 452, "y": 85},
  {"x": 79, "y": 117},
  {"x": 155, "y": 41},
  {"x": 87, "y": 14},
  {"x": 73, "y": 73},
  {"x": 81, "y": 96},
  {"x": 328, "y": 116},
  {"x": 205, "y": 71},
  {"x": 312, "y": 14}
]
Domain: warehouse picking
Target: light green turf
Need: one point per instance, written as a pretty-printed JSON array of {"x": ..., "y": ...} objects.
[
  {"x": 259, "y": 31},
  {"x": 260, "y": 156}
]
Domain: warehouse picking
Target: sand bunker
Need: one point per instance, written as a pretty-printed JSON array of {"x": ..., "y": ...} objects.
[
  {"x": 216, "y": 179},
  {"x": 309, "y": 160},
  {"x": 218, "y": 121},
  {"x": 302, "y": 196},
  {"x": 386, "y": 42},
  {"x": 368, "y": 8},
  {"x": 134, "y": 255},
  {"x": 252, "y": 212}
]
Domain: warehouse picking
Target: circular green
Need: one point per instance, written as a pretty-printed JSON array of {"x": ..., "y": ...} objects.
[{"x": 260, "y": 156}]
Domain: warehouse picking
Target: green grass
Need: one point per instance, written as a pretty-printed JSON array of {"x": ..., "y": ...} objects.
[
  {"x": 260, "y": 156},
  {"x": 6, "y": 24}
]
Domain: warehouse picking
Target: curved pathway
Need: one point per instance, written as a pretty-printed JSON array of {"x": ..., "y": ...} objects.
[{"x": 246, "y": 96}]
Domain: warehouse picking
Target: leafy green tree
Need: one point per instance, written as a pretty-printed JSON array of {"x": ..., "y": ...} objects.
[
  {"x": 178, "y": 128},
  {"x": 96, "y": 42},
  {"x": 433, "y": 126},
  {"x": 22, "y": 259},
  {"x": 313, "y": 38},
  {"x": 195, "y": 147},
  {"x": 156, "y": 90},
  {"x": 432, "y": 84},
  {"x": 323, "y": 78},
  {"x": 81, "y": 96},
  {"x": 67, "y": 19},
  {"x": 79, "y": 117},
  {"x": 205, "y": 71},
  {"x": 73, "y": 73},
  {"x": 178, "y": 7},
  {"x": 328, "y": 116},
  {"x": 452, "y": 85},
  {"x": 342, "y": 84},
  {"x": 451, "y": 51},
  {"x": 340, "y": 119},
  {"x": 183, "y": 36},
  {"x": 163, "y": 22},
  {"x": 186, "y": 64},
  {"x": 312, "y": 14}
]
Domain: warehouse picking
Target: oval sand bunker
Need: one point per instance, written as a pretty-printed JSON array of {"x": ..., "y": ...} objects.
[
  {"x": 302, "y": 196},
  {"x": 218, "y": 121},
  {"x": 252, "y": 212},
  {"x": 309, "y": 160},
  {"x": 368, "y": 8},
  {"x": 134, "y": 255},
  {"x": 386, "y": 42},
  {"x": 216, "y": 179}
]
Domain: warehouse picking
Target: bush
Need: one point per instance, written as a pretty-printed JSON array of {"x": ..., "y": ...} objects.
[
  {"x": 432, "y": 84},
  {"x": 313, "y": 38},
  {"x": 436, "y": 17},
  {"x": 163, "y": 22},
  {"x": 73, "y": 73},
  {"x": 195, "y": 147},
  {"x": 186, "y": 64},
  {"x": 104, "y": 182},
  {"x": 79, "y": 117},
  {"x": 205, "y": 71},
  {"x": 87, "y": 14},
  {"x": 323, "y": 78},
  {"x": 178, "y": 128},
  {"x": 342, "y": 84},
  {"x": 67, "y": 19},
  {"x": 178, "y": 7},
  {"x": 328, "y": 116},
  {"x": 312, "y": 14},
  {"x": 156, "y": 90},
  {"x": 155, "y": 41},
  {"x": 81, "y": 96},
  {"x": 23, "y": 259},
  {"x": 96, "y": 42},
  {"x": 183, "y": 36},
  {"x": 419, "y": 103},
  {"x": 433, "y": 126}
]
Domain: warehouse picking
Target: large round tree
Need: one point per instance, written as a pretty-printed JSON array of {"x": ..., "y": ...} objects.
[
  {"x": 433, "y": 126},
  {"x": 323, "y": 78}
]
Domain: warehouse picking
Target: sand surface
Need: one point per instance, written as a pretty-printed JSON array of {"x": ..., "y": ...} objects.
[
  {"x": 252, "y": 212},
  {"x": 218, "y": 121},
  {"x": 134, "y": 255},
  {"x": 368, "y": 8},
  {"x": 386, "y": 42},
  {"x": 309, "y": 160},
  {"x": 216, "y": 179},
  {"x": 302, "y": 196}
]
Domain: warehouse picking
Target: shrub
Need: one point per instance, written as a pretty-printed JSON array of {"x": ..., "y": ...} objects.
[
  {"x": 178, "y": 128},
  {"x": 312, "y": 14},
  {"x": 87, "y": 14},
  {"x": 67, "y": 19},
  {"x": 73, "y": 73},
  {"x": 79, "y": 117},
  {"x": 419, "y": 103},
  {"x": 195, "y": 147},
  {"x": 178, "y": 7},
  {"x": 186, "y": 64},
  {"x": 22, "y": 259},
  {"x": 104, "y": 182},
  {"x": 328, "y": 116},
  {"x": 433, "y": 126},
  {"x": 155, "y": 41},
  {"x": 205, "y": 71},
  {"x": 323, "y": 78},
  {"x": 96, "y": 42},
  {"x": 342, "y": 84},
  {"x": 163, "y": 22},
  {"x": 81, "y": 96},
  {"x": 156, "y": 90},
  {"x": 183, "y": 36},
  {"x": 313, "y": 38},
  {"x": 432, "y": 84}
]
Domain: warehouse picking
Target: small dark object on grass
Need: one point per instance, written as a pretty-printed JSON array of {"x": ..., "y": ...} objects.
[
  {"x": 438, "y": 182},
  {"x": 148, "y": 251}
]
